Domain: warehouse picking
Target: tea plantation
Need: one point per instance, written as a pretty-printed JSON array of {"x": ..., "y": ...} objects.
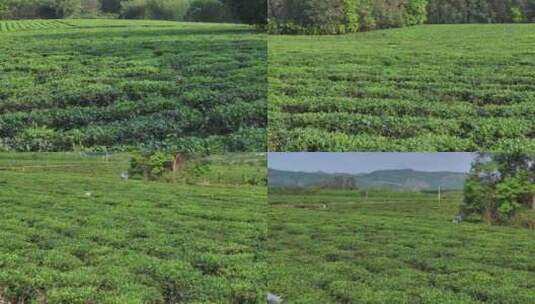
[
  {"x": 424, "y": 88},
  {"x": 338, "y": 247},
  {"x": 72, "y": 231},
  {"x": 123, "y": 84}
]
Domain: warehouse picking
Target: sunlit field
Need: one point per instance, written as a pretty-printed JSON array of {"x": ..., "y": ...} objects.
[
  {"x": 123, "y": 84},
  {"x": 344, "y": 247},
  {"x": 424, "y": 88},
  {"x": 74, "y": 231}
]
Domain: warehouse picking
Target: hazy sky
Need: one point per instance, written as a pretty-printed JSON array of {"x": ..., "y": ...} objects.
[{"x": 368, "y": 162}]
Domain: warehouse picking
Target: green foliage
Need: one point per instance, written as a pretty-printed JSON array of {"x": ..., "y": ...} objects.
[
  {"x": 509, "y": 193},
  {"x": 153, "y": 85},
  {"x": 247, "y": 168},
  {"x": 517, "y": 15},
  {"x": 152, "y": 165},
  {"x": 416, "y": 89},
  {"x": 4, "y": 10},
  {"x": 155, "y": 9},
  {"x": 37, "y": 139},
  {"x": 396, "y": 247},
  {"x": 65, "y": 8},
  {"x": 343, "y": 16},
  {"x": 416, "y": 12},
  {"x": 157, "y": 163},
  {"x": 480, "y": 11},
  {"x": 128, "y": 241},
  {"x": 500, "y": 186},
  {"x": 351, "y": 16},
  {"x": 22, "y": 9},
  {"x": 206, "y": 11},
  {"x": 245, "y": 11},
  {"x": 313, "y": 17}
]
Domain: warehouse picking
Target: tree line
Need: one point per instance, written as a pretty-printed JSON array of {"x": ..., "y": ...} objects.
[
  {"x": 246, "y": 11},
  {"x": 341, "y": 16},
  {"x": 481, "y": 11}
]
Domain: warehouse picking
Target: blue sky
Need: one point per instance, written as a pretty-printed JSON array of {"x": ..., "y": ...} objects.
[{"x": 368, "y": 162}]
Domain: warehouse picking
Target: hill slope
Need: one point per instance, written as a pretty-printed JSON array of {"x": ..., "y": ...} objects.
[
  {"x": 127, "y": 83},
  {"x": 393, "y": 179},
  {"x": 73, "y": 232},
  {"x": 424, "y": 88}
]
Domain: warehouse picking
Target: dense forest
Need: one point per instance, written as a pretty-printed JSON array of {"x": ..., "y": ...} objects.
[
  {"x": 341, "y": 16},
  {"x": 246, "y": 11}
]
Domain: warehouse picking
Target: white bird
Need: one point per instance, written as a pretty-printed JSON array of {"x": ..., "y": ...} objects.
[{"x": 124, "y": 176}]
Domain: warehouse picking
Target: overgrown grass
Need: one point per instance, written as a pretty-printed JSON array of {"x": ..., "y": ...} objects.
[
  {"x": 122, "y": 84},
  {"x": 424, "y": 88},
  {"x": 75, "y": 235},
  {"x": 393, "y": 251}
]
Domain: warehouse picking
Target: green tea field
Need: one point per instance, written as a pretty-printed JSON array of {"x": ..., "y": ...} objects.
[
  {"x": 339, "y": 247},
  {"x": 424, "y": 88},
  {"x": 73, "y": 231},
  {"x": 123, "y": 84}
]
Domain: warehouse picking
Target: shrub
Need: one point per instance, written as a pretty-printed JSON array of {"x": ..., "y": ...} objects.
[
  {"x": 207, "y": 11},
  {"x": 4, "y": 10},
  {"x": 149, "y": 165},
  {"x": 168, "y": 9},
  {"x": 154, "y": 9},
  {"x": 37, "y": 139},
  {"x": 389, "y": 13},
  {"x": 26, "y": 9},
  {"x": 500, "y": 187},
  {"x": 415, "y": 12},
  {"x": 135, "y": 9},
  {"x": 90, "y": 7},
  {"x": 516, "y": 15},
  {"x": 66, "y": 8},
  {"x": 313, "y": 17}
]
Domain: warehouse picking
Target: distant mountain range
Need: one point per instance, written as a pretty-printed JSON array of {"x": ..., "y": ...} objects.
[{"x": 406, "y": 179}]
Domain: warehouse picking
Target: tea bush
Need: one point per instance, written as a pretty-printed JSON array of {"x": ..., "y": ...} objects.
[
  {"x": 428, "y": 88},
  {"x": 394, "y": 247},
  {"x": 122, "y": 85},
  {"x": 73, "y": 232}
]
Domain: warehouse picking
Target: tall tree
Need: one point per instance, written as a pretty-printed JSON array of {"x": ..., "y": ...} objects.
[{"x": 500, "y": 185}]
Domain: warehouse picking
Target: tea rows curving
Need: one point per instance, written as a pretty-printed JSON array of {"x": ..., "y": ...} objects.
[
  {"x": 427, "y": 88},
  {"x": 116, "y": 84}
]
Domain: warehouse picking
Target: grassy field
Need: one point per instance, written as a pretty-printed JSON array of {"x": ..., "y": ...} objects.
[
  {"x": 424, "y": 88},
  {"x": 71, "y": 231},
  {"x": 122, "y": 84},
  {"x": 393, "y": 248}
]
